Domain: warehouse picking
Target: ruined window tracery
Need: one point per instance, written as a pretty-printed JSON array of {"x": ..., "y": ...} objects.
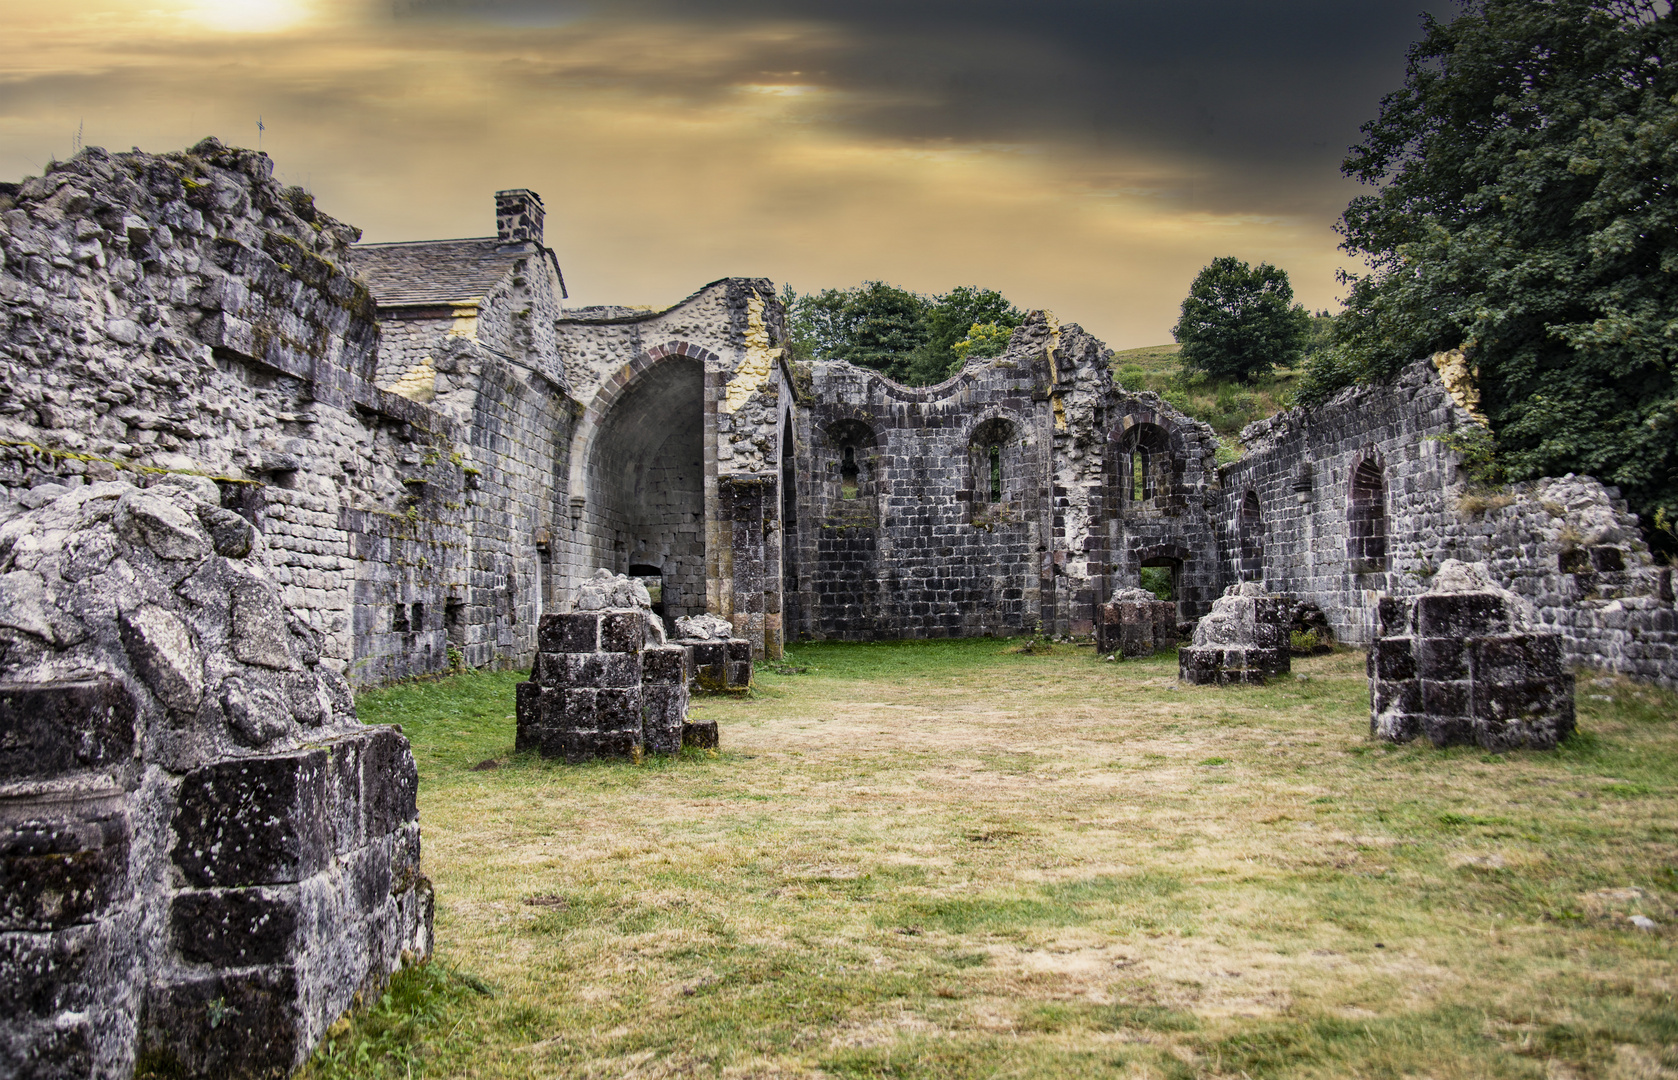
[
  {"x": 1145, "y": 463},
  {"x": 1366, "y": 524}
]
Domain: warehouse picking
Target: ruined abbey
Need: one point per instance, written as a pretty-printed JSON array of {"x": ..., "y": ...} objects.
[
  {"x": 248, "y": 463},
  {"x": 436, "y": 449}
]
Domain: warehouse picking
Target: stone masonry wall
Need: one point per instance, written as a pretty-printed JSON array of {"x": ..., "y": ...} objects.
[
  {"x": 729, "y": 334},
  {"x": 898, "y": 533},
  {"x": 204, "y": 856},
  {"x": 1567, "y": 545},
  {"x": 182, "y": 313}
]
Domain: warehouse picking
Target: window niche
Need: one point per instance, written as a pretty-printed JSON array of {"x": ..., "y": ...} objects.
[
  {"x": 1145, "y": 470},
  {"x": 850, "y": 454},
  {"x": 1250, "y": 530},
  {"x": 1366, "y": 519},
  {"x": 993, "y": 472}
]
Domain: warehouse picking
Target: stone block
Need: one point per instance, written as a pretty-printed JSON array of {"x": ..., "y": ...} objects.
[
  {"x": 389, "y": 781},
  {"x": 62, "y": 861},
  {"x": 1513, "y": 659},
  {"x": 247, "y": 1023},
  {"x": 1446, "y": 698},
  {"x": 663, "y": 711},
  {"x": 618, "y": 710},
  {"x": 235, "y": 927},
  {"x": 577, "y": 712},
  {"x": 569, "y": 632},
  {"x": 1440, "y": 659},
  {"x": 1460, "y": 614},
  {"x": 68, "y": 1001},
  {"x": 623, "y": 632},
  {"x": 1392, "y": 660},
  {"x": 666, "y": 664},
  {"x": 700, "y": 734},
  {"x": 527, "y": 709},
  {"x": 1392, "y": 617},
  {"x": 51, "y": 729},
  {"x": 255, "y": 821}
]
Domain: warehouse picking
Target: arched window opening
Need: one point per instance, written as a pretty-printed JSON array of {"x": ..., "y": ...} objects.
[
  {"x": 646, "y": 479},
  {"x": 992, "y": 468},
  {"x": 848, "y": 474},
  {"x": 1251, "y": 534},
  {"x": 1366, "y": 525},
  {"x": 850, "y": 454},
  {"x": 1144, "y": 464}
]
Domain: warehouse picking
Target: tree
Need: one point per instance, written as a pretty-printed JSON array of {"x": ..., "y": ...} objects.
[
  {"x": 1527, "y": 211},
  {"x": 905, "y": 336},
  {"x": 1239, "y": 320}
]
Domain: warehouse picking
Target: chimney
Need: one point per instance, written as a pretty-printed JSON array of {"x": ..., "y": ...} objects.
[{"x": 518, "y": 216}]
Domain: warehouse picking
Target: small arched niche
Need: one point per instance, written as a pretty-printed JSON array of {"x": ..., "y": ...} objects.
[{"x": 1366, "y": 519}]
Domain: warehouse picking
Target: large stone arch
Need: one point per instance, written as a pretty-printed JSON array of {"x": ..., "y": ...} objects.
[{"x": 639, "y": 483}]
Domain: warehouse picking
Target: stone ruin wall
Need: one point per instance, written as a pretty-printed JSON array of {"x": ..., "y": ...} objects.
[
  {"x": 204, "y": 856},
  {"x": 920, "y": 549},
  {"x": 184, "y": 313},
  {"x": 1568, "y": 545},
  {"x": 711, "y": 368}
]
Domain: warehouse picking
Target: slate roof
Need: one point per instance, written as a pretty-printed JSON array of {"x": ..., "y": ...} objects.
[{"x": 434, "y": 271}]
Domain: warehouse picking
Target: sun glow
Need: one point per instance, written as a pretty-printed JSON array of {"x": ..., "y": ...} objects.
[{"x": 249, "y": 16}]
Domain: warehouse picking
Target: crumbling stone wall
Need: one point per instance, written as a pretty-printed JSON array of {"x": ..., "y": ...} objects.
[
  {"x": 1462, "y": 664},
  {"x": 184, "y": 313},
  {"x": 616, "y": 360},
  {"x": 1363, "y": 498},
  {"x": 204, "y": 856},
  {"x": 905, "y": 531}
]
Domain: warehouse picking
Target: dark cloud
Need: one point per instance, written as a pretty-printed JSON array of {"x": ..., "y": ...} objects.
[{"x": 1266, "y": 97}]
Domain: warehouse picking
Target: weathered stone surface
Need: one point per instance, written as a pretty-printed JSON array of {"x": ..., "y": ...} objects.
[
  {"x": 165, "y": 656},
  {"x": 1459, "y": 664},
  {"x": 1135, "y": 622},
  {"x": 205, "y": 827},
  {"x": 47, "y": 730},
  {"x": 605, "y": 685},
  {"x": 1243, "y": 639}
]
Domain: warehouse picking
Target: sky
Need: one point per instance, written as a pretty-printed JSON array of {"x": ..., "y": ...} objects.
[{"x": 1084, "y": 156}]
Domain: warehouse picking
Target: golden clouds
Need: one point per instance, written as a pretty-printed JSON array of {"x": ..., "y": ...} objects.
[{"x": 669, "y": 152}]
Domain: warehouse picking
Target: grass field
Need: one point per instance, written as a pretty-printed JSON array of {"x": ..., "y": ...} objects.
[{"x": 958, "y": 859}]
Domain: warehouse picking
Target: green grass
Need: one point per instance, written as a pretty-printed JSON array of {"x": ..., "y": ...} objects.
[{"x": 965, "y": 859}]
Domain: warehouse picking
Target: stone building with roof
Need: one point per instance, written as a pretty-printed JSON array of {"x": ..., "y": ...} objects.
[{"x": 437, "y": 448}]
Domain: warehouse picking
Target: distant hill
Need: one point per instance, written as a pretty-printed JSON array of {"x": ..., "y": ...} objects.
[{"x": 1227, "y": 406}]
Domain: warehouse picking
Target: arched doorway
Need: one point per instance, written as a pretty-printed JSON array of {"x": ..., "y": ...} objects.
[{"x": 646, "y": 473}]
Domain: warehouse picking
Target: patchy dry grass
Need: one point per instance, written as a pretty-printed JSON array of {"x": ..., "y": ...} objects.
[{"x": 951, "y": 859}]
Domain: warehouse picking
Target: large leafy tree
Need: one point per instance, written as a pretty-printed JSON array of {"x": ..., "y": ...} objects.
[
  {"x": 1239, "y": 320},
  {"x": 906, "y": 336},
  {"x": 1527, "y": 209}
]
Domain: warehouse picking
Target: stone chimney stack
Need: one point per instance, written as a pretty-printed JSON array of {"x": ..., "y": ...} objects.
[{"x": 518, "y": 216}]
